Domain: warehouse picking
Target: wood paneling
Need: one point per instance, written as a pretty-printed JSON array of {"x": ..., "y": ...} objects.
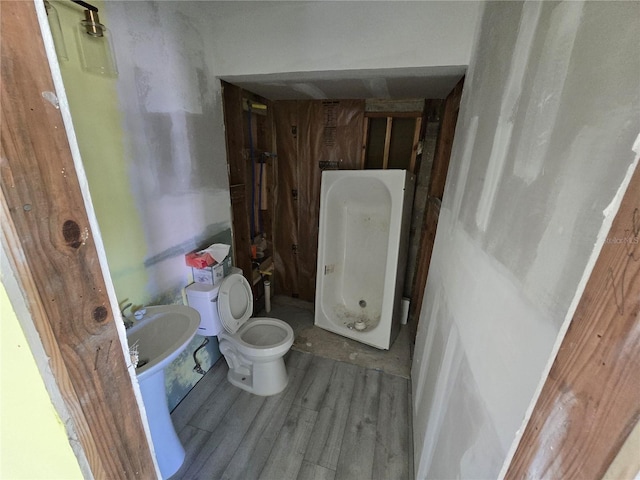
[
  {"x": 250, "y": 142},
  {"x": 47, "y": 233},
  {"x": 233, "y": 120},
  {"x": 241, "y": 235},
  {"x": 590, "y": 401},
  {"x": 285, "y": 233},
  {"x": 309, "y": 132}
]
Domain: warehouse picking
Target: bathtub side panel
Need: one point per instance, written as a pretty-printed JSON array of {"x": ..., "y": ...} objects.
[
  {"x": 321, "y": 282},
  {"x": 407, "y": 207}
]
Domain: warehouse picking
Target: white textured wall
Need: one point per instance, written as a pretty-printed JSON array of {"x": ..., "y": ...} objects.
[
  {"x": 274, "y": 37},
  {"x": 174, "y": 134},
  {"x": 549, "y": 114}
]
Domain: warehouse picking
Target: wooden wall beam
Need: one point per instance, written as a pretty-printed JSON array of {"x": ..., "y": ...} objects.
[
  {"x": 46, "y": 230},
  {"x": 445, "y": 142},
  {"x": 234, "y": 137},
  {"x": 387, "y": 142},
  {"x": 414, "y": 147},
  {"x": 590, "y": 401},
  {"x": 437, "y": 181}
]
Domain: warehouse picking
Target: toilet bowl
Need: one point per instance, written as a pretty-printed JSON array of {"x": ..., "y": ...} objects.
[{"x": 253, "y": 347}]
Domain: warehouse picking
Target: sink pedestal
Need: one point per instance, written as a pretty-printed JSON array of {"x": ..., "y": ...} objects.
[
  {"x": 169, "y": 450},
  {"x": 163, "y": 333}
]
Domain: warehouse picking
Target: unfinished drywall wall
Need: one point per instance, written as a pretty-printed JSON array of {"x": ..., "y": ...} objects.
[
  {"x": 549, "y": 114},
  {"x": 271, "y": 37},
  {"x": 152, "y": 146},
  {"x": 172, "y": 115}
]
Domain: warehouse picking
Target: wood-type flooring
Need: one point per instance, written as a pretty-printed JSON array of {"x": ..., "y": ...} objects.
[{"x": 334, "y": 421}]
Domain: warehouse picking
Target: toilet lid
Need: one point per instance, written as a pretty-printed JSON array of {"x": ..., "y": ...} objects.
[{"x": 235, "y": 302}]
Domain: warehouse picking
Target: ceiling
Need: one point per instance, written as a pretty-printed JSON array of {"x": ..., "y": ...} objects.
[{"x": 392, "y": 83}]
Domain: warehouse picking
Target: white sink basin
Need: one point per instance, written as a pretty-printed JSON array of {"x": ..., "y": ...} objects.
[{"x": 161, "y": 335}]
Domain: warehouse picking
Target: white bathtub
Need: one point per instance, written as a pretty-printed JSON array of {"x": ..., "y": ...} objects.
[{"x": 362, "y": 250}]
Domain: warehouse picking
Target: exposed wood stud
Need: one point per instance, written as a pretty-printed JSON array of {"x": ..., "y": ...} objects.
[
  {"x": 445, "y": 142},
  {"x": 436, "y": 190},
  {"x": 414, "y": 149},
  {"x": 365, "y": 138},
  {"x": 43, "y": 214},
  {"x": 387, "y": 143}
]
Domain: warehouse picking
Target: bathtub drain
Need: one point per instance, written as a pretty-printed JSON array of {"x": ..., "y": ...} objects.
[{"x": 362, "y": 303}]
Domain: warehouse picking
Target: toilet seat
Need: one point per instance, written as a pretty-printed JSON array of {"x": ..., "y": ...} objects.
[
  {"x": 235, "y": 302},
  {"x": 258, "y": 338},
  {"x": 262, "y": 338}
]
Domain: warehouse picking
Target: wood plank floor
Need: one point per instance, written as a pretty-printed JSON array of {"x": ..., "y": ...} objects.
[{"x": 333, "y": 421}]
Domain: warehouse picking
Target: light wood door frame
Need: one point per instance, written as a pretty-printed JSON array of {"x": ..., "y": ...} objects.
[
  {"x": 48, "y": 237},
  {"x": 590, "y": 401}
]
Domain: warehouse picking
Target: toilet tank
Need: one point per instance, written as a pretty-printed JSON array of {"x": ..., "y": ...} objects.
[{"x": 204, "y": 299}]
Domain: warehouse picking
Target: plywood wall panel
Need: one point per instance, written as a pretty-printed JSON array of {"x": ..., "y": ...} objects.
[
  {"x": 328, "y": 135},
  {"x": 233, "y": 119},
  {"x": 285, "y": 222}
]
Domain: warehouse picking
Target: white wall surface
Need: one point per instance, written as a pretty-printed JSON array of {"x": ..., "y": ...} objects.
[
  {"x": 549, "y": 114},
  {"x": 174, "y": 130},
  {"x": 260, "y": 37}
]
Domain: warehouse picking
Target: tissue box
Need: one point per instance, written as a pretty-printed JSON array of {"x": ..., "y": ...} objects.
[
  {"x": 198, "y": 260},
  {"x": 210, "y": 275}
]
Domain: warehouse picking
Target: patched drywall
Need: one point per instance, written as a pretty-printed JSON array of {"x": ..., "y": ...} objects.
[
  {"x": 549, "y": 114},
  {"x": 170, "y": 101},
  {"x": 172, "y": 115},
  {"x": 343, "y": 50},
  {"x": 260, "y": 37}
]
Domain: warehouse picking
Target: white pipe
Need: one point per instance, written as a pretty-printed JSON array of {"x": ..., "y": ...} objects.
[
  {"x": 267, "y": 296},
  {"x": 405, "y": 310}
]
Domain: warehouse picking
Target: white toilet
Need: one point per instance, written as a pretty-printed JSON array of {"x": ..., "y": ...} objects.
[{"x": 254, "y": 348}]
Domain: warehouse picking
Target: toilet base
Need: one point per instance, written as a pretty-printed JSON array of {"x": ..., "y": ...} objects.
[{"x": 265, "y": 379}]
